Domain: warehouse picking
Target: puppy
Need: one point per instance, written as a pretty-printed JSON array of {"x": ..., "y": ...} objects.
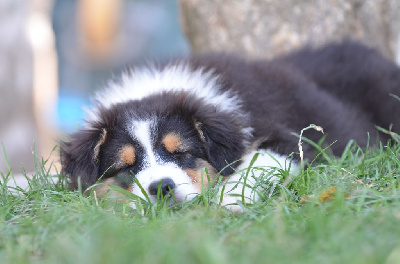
[{"x": 173, "y": 128}]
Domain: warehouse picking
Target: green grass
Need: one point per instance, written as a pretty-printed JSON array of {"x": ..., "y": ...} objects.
[{"x": 340, "y": 210}]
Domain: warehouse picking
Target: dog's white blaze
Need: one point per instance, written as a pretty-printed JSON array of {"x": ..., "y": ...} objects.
[
  {"x": 154, "y": 170},
  {"x": 142, "y": 82},
  {"x": 267, "y": 159},
  {"x": 142, "y": 132}
]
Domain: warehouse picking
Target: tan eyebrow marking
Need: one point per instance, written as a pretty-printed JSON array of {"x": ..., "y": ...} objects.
[
  {"x": 172, "y": 142},
  {"x": 127, "y": 155}
]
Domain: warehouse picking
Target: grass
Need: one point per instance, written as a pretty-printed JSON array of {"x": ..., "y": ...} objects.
[{"x": 339, "y": 210}]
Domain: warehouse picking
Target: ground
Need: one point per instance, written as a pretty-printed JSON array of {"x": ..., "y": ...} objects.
[{"x": 337, "y": 210}]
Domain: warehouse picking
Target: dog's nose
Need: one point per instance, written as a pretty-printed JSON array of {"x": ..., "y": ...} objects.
[{"x": 167, "y": 185}]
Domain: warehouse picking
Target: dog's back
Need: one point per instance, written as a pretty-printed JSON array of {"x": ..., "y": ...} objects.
[
  {"x": 357, "y": 75},
  {"x": 343, "y": 87}
]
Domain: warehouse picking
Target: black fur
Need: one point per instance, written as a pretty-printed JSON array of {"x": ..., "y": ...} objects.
[
  {"x": 343, "y": 87},
  {"x": 175, "y": 112},
  {"x": 77, "y": 155}
]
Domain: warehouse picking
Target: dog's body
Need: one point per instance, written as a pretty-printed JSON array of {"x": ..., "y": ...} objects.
[{"x": 164, "y": 124}]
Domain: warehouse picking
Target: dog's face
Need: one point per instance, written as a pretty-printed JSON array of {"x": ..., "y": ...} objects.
[
  {"x": 165, "y": 141},
  {"x": 166, "y": 153}
]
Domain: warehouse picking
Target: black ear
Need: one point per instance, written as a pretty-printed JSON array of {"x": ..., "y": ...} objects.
[
  {"x": 79, "y": 156},
  {"x": 225, "y": 140}
]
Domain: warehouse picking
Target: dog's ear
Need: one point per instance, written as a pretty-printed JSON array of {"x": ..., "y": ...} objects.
[
  {"x": 225, "y": 141},
  {"x": 79, "y": 156}
]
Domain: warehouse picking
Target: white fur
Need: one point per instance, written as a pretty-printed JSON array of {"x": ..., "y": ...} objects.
[
  {"x": 142, "y": 132},
  {"x": 155, "y": 170},
  {"x": 266, "y": 160},
  {"x": 184, "y": 189},
  {"x": 142, "y": 82}
]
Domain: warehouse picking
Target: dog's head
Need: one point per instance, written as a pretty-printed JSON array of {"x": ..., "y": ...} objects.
[{"x": 164, "y": 140}]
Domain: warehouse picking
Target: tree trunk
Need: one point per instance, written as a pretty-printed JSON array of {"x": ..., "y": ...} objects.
[{"x": 265, "y": 28}]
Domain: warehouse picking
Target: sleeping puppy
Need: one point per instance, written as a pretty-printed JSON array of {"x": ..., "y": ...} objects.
[{"x": 175, "y": 127}]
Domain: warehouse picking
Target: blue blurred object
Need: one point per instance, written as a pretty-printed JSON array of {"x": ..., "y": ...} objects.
[
  {"x": 148, "y": 29},
  {"x": 70, "y": 110}
]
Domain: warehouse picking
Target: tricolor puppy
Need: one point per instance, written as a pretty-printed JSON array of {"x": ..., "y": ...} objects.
[{"x": 164, "y": 125}]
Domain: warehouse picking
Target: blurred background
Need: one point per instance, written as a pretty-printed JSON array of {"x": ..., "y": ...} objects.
[{"x": 55, "y": 53}]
